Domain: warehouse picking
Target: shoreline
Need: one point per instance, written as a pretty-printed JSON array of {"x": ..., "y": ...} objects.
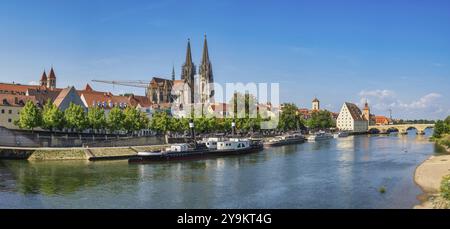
[
  {"x": 73, "y": 153},
  {"x": 428, "y": 176}
]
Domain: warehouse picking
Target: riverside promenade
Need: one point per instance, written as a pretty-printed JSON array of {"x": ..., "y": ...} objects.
[{"x": 73, "y": 153}]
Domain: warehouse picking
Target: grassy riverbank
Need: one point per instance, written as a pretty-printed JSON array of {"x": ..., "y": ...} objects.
[
  {"x": 443, "y": 142},
  {"x": 59, "y": 154}
]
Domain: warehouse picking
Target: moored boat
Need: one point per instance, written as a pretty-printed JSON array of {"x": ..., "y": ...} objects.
[
  {"x": 341, "y": 134},
  {"x": 319, "y": 136},
  {"x": 184, "y": 151},
  {"x": 285, "y": 140}
]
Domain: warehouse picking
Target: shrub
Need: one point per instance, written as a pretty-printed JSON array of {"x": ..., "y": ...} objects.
[
  {"x": 446, "y": 142},
  {"x": 445, "y": 187}
]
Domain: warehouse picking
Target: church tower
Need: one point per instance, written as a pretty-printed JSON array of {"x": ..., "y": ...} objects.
[
  {"x": 51, "y": 82},
  {"x": 366, "y": 112},
  {"x": 206, "y": 76},
  {"x": 43, "y": 81},
  {"x": 315, "y": 104},
  {"x": 188, "y": 71}
]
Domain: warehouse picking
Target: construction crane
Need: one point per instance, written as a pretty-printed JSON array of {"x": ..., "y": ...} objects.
[
  {"x": 131, "y": 83},
  {"x": 128, "y": 83}
]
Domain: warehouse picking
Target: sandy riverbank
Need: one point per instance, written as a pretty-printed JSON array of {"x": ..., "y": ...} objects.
[{"x": 428, "y": 176}]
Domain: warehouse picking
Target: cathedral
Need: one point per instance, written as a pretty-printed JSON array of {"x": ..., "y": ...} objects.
[{"x": 190, "y": 89}]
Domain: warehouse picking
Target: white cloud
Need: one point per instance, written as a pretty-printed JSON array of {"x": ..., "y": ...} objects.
[
  {"x": 381, "y": 100},
  {"x": 424, "y": 102},
  {"x": 33, "y": 83},
  {"x": 378, "y": 93}
]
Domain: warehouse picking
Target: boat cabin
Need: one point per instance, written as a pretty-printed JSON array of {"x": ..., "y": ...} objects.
[
  {"x": 178, "y": 148},
  {"x": 233, "y": 145}
]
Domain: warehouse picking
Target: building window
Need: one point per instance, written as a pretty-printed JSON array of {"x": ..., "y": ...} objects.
[
  {"x": 3, "y": 111},
  {"x": 10, "y": 111},
  {"x": 9, "y": 120}
]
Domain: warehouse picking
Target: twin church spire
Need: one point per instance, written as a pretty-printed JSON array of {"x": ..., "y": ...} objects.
[{"x": 188, "y": 72}]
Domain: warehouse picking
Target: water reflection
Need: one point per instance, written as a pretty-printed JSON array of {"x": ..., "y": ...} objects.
[{"x": 65, "y": 177}]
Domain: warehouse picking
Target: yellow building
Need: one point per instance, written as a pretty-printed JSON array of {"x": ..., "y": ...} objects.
[{"x": 10, "y": 107}]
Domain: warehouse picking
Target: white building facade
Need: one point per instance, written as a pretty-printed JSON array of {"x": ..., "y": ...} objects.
[{"x": 351, "y": 119}]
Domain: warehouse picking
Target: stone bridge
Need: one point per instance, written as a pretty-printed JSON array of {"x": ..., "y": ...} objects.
[{"x": 401, "y": 128}]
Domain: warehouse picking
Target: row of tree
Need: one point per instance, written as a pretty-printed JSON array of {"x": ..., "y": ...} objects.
[
  {"x": 131, "y": 119},
  {"x": 75, "y": 118}
]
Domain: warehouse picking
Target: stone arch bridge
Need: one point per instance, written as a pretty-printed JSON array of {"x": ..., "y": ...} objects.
[{"x": 401, "y": 128}]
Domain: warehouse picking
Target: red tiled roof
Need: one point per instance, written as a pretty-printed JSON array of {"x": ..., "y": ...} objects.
[
  {"x": 105, "y": 100},
  {"x": 355, "y": 112},
  {"x": 143, "y": 101},
  {"x": 88, "y": 87},
  {"x": 381, "y": 119},
  {"x": 9, "y": 88},
  {"x": 15, "y": 100},
  {"x": 64, "y": 92},
  {"x": 219, "y": 107}
]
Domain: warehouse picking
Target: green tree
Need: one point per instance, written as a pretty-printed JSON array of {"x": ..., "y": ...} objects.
[
  {"x": 179, "y": 125},
  {"x": 447, "y": 121},
  {"x": 115, "y": 119},
  {"x": 161, "y": 122},
  {"x": 52, "y": 117},
  {"x": 321, "y": 120},
  {"x": 75, "y": 117},
  {"x": 144, "y": 122},
  {"x": 30, "y": 117},
  {"x": 96, "y": 118},
  {"x": 223, "y": 124},
  {"x": 201, "y": 125},
  {"x": 290, "y": 119},
  {"x": 440, "y": 128},
  {"x": 132, "y": 119}
]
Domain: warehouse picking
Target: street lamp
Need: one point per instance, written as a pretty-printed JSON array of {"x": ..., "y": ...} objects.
[
  {"x": 191, "y": 126},
  {"x": 233, "y": 126}
]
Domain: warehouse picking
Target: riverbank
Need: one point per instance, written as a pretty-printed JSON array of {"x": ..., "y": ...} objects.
[
  {"x": 77, "y": 153},
  {"x": 428, "y": 176}
]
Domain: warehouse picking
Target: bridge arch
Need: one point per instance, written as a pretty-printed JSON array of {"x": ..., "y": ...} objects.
[
  {"x": 401, "y": 128},
  {"x": 374, "y": 130}
]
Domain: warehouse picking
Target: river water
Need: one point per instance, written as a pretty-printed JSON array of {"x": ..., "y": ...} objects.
[{"x": 338, "y": 173}]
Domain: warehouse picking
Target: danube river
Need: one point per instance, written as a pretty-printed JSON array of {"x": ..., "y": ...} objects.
[{"x": 337, "y": 173}]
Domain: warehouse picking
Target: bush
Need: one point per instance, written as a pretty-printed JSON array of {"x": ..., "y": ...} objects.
[
  {"x": 445, "y": 187},
  {"x": 446, "y": 142}
]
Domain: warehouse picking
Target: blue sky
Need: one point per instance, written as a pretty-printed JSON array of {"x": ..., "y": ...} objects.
[{"x": 396, "y": 54}]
